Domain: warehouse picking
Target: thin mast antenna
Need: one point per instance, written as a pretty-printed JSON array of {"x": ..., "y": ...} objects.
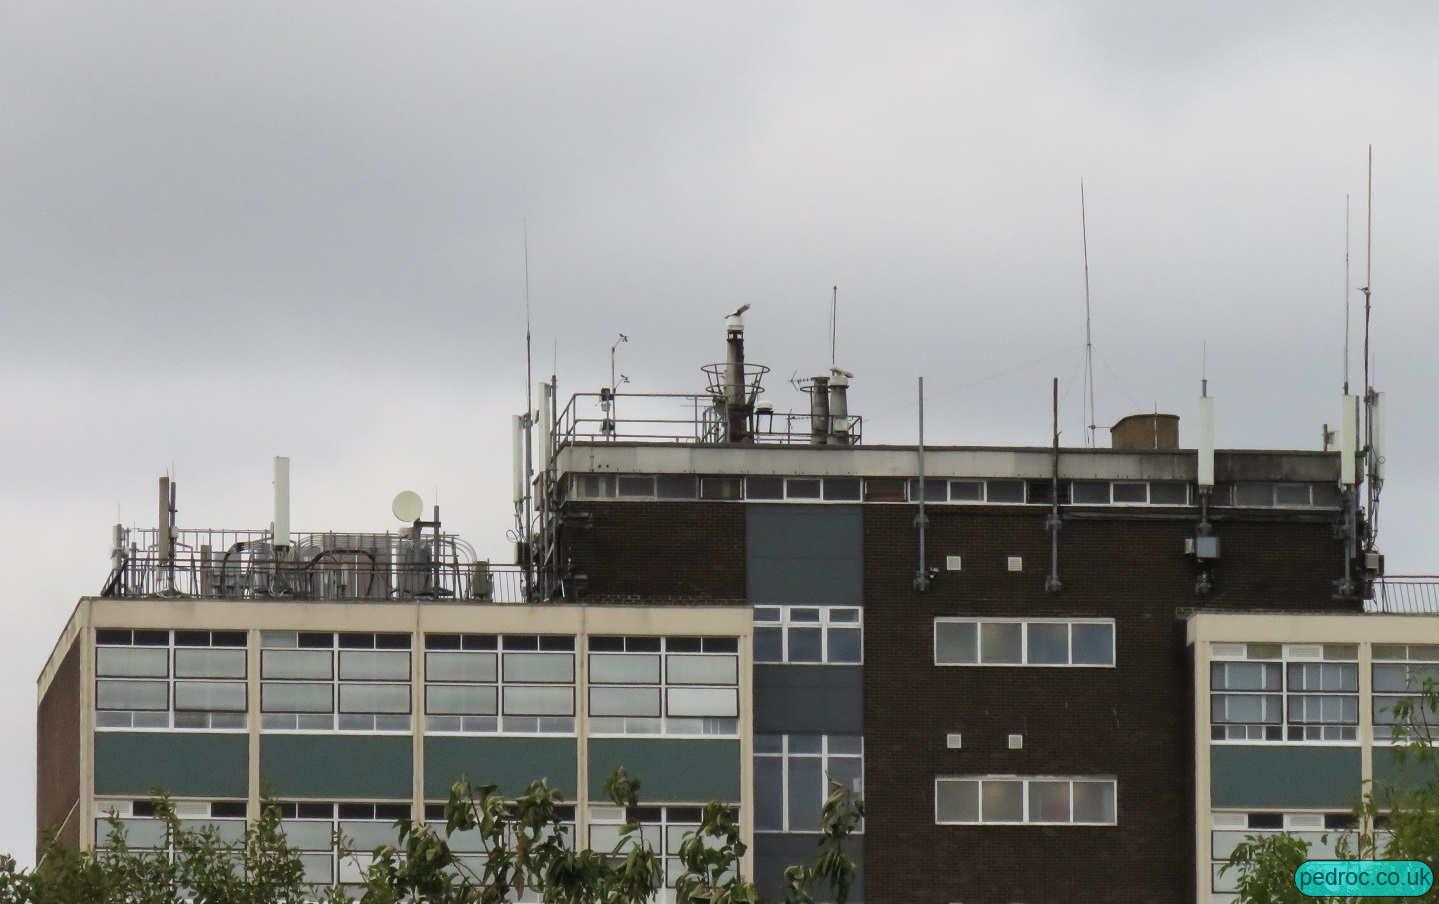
[
  {"x": 529, "y": 428},
  {"x": 1088, "y": 330},
  {"x": 1346, "y": 293},
  {"x": 1371, "y": 488},
  {"x": 833, "y": 325}
]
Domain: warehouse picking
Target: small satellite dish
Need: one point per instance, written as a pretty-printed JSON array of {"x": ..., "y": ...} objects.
[{"x": 407, "y": 506}]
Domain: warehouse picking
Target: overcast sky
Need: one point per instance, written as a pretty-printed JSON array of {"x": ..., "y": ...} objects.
[{"x": 230, "y": 231}]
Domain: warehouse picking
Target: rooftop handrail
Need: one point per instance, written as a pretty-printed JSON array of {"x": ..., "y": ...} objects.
[
  {"x": 1405, "y": 594},
  {"x": 591, "y": 417}
]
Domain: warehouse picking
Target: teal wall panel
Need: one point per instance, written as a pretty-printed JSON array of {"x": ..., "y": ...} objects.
[
  {"x": 1388, "y": 771},
  {"x": 1278, "y": 776},
  {"x": 183, "y": 764},
  {"x": 363, "y": 766},
  {"x": 669, "y": 770},
  {"x": 511, "y": 763}
]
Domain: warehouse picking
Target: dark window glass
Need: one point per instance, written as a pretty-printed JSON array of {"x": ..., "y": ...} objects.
[
  {"x": 230, "y": 809},
  {"x": 644, "y": 814},
  {"x": 113, "y": 636},
  {"x": 1168, "y": 492},
  {"x": 607, "y": 644},
  {"x": 143, "y": 808},
  {"x": 1255, "y": 494},
  {"x": 1326, "y": 495},
  {"x": 720, "y": 488},
  {"x": 642, "y": 644},
  {"x": 314, "y": 811},
  {"x": 1291, "y": 494},
  {"x": 556, "y": 643},
  {"x": 392, "y": 641},
  {"x": 764, "y": 488},
  {"x": 721, "y": 644},
  {"x": 1040, "y": 492},
  {"x": 1339, "y": 821},
  {"x": 309, "y": 641},
  {"x": 675, "y": 487},
  {"x": 682, "y": 644},
  {"x": 884, "y": 489},
  {"x": 357, "y": 811},
  {"x": 804, "y": 645},
  {"x": 768, "y": 645},
  {"x": 442, "y": 641},
  {"x": 522, "y": 642},
  {"x": 480, "y": 642},
  {"x": 841, "y": 489},
  {"x": 1131, "y": 493},
  {"x": 357, "y": 641},
  {"x": 769, "y": 793},
  {"x": 152, "y": 638},
  {"x": 392, "y": 812},
  {"x": 227, "y": 638},
  {"x": 1091, "y": 492},
  {"x": 934, "y": 490},
  {"x": 1266, "y": 820},
  {"x": 806, "y": 793},
  {"x": 434, "y": 812},
  {"x": 192, "y": 638},
  {"x": 1010, "y": 491},
  {"x": 637, "y": 486},
  {"x": 966, "y": 491},
  {"x": 801, "y": 488}
]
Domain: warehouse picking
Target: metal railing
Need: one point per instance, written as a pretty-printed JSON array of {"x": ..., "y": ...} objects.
[
  {"x": 680, "y": 418},
  {"x": 1405, "y": 594},
  {"x": 245, "y": 565}
]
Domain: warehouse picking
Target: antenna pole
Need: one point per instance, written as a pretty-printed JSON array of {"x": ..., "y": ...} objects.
[
  {"x": 1346, "y": 293},
  {"x": 833, "y": 325},
  {"x": 1370, "y": 466},
  {"x": 1088, "y": 331},
  {"x": 529, "y": 431}
]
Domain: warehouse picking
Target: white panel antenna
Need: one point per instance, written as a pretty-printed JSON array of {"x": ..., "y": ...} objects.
[
  {"x": 1206, "y": 441},
  {"x": 280, "y": 530},
  {"x": 1348, "y": 439}
]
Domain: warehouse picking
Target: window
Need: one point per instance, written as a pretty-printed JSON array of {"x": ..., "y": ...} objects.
[
  {"x": 1026, "y": 642},
  {"x": 318, "y": 681},
  {"x": 662, "y": 828},
  {"x": 635, "y": 487},
  {"x": 1229, "y": 830},
  {"x": 1400, "y": 673},
  {"x": 1289, "y": 692},
  {"x": 184, "y": 680},
  {"x": 311, "y": 827},
  {"x": 884, "y": 489},
  {"x": 505, "y": 684},
  {"x": 809, "y": 634},
  {"x": 469, "y": 850},
  {"x": 145, "y": 832},
  {"x": 664, "y": 685},
  {"x": 1021, "y": 800},
  {"x": 594, "y": 486},
  {"x": 793, "y": 775},
  {"x": 764, "y": 487},
  {"x": 842, "y": 489},
  {"x": 1252, "y": 494},
  {"x": 1006, "y": 491},
  {"x": 728, "y": 488}
]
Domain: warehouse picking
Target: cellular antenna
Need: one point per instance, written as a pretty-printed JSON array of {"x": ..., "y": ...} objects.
[
  {"x": 1346, "y": 293},
  {"x": 529, "y": 420},
  {"x": 1088, "y": 329}
]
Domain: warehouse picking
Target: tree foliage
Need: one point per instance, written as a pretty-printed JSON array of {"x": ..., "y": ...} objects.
[{"x": 525, "y": 849}]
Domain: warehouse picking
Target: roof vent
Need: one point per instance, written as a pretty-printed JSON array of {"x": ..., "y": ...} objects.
[{"x": 1146, "y": 431}]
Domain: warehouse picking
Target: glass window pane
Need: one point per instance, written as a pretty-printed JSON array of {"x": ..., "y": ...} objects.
[
  {"x": 679, "y": 486},
  {"x": 956, "y": 800},
  {"x": 1291, "y": 494},
  {"x": 289, "y": 697},
  {"x": 1003, "y": 801},
  {"x": 296, "y": 664},
  {"x": 842, "y": 489},
  {"x": 1254, "y": 494},
  {"x": 637, "y": 486},
  {"x": 845, "y": 744},
  {"x": 1048, "y": 643},
  {"x": 461, "y": 667},
  {"x": 806, "y": 793},
  {"x": 129, "y": 662},
  {"x": 806, "y": 743},
  {"x": 539, "y": 701},
  {"x": 768, "y": 794},
  {"x": 374, "y": 698},
  {"x": 318, "y": 869},
  {"x": 543, "y": 667},
  {"x": 963, "y": 490},
  {"x": 956, "y": 642},
  {"x": 999, "y": 643},
  {"x": 369, "y": 665},
  {"x": 1091, "y": 492},
  {"x": 804, "y": 614},
  {"x": 1005, "y": 490},
  {"x": 764, "y": 488},
  {"x": 1131, "y": 492},
  {"x": 844, "y": 645},
  {"x": 846, "y": 771},
  {"x": 210, "y": 696},
  {"x": 460, "y": 700},
  {"x": 719, "y": 702},
  {"x": 702, "y": 669},
  {"x": 1049, "y": 801},
  {"x": 624, "y": 701},
  {"x": 1167, "y": 492},
  {"x": 624, "y": 668},
  {"x": 804, "y": 645},
  {"x": 152, "y": 695},
  {"x": 1094, "y": 802},
  {"x": 767, "y": 645},
  {"x": 764, "y": 614},
  {"x": 801, "y": 488},
  {"x": 1093, "y": 644},
  {"x": 202, "y": 663},
  {"x": 720, "y": 488},
  {"x": 844, "y": 616}
]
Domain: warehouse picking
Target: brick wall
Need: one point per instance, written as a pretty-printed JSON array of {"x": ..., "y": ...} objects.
[
  {"x": 1132, "y": 721},
  {"x": 57, "y": 751},
  {"x": 657, "y": 550}
]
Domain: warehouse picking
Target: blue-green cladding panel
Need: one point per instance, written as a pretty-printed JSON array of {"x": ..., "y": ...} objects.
[
  {"x": 302, "y": 765},
  {"x": 1278, "y": 776},
  {"x": 182, "y": 764},
  {"x": 511, "y": 763},
  {"x": 1390, "y": 772},
  {"x": 696, "y": 770}
]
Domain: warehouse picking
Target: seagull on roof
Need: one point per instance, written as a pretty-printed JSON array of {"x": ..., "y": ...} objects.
[{"x": 741, "y": 310}]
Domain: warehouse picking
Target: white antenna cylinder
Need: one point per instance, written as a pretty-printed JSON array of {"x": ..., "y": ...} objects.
[
  {"x": 547, "y": 426},
  {"x": 1376, "y": 437},
  {"x": 519, "y": 458},
  {"x": 1206, "y": 441},
  {"x": 1348, "y": 439},
  {"x": 280, "y": 530}
]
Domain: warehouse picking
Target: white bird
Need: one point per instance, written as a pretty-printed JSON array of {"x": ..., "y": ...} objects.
[{"x": 742, "y": 309}]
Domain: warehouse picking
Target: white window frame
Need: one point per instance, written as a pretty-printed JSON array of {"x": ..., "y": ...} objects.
[
  {"x": 608, "y": 815},
  {"x": 1024, "y": 623},
  {"x": 1298, "y": 823},
  {"x": 171, "y": 680},
  {"x": 1417, "y": 695},
  {"x": 336, "y": 683},
  {"x": 502, "y": 729},
  {"x": 663, "y": 686},
  {"x": 825, "y": 756},
  {"x": 190, "y": 813},
  {"x": 1025, "y": 781},
  {"x": 1289, "y": 654},
  {"x": 826, "y": 621},
  {"x": 358, "y": 859}
]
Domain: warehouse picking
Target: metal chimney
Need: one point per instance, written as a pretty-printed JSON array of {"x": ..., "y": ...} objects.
[
  {"x": 819, "y": 411},
  {"x": 839, "y": 407},
  {"x": 734, "y": 383}
]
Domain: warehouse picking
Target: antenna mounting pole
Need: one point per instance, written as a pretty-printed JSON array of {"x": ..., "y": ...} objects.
[
  {"x": 833, "y": 325},
  {"x": 1088, "y": 330}
]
